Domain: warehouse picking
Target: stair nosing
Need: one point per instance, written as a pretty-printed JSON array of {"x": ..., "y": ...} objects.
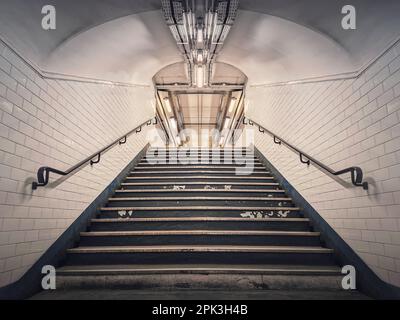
[
  {"x": 199, "y": 198},
  {"x": 167, "y": 249},
  {"x": 200, "y": 190},
  {"x": 211, "y": 166},
  {"x": 184, "y": 269},
  {"x": 198, "y": 219},
  {"x": 200, "y": 183},
  {"x": 201, "y": 208},
  {"x": 200, "y": 233},
  {"x": 199, "y": 177},
  {"x": 197, "y": 171}
]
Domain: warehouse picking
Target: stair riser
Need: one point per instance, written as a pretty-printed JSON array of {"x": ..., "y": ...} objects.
[
  {"x": 157, "y": 226},
  {"x": 170, "y": 186},
  {"x": 180, "y": 180},
  {"x": 199, "y": 258},
  {"x": 200, "y": 281},
  {"x": 183, "y": 202},
  {"x": 193, "y": 168},
  {"x": 145, "y": 164},
  {"x": 201, "y": 161},
  {"x": 183, "y": 155},
  {"x": 203, "y": 153},
  {"x": 157, "y": 240},
  {"x": 197, "y": 213},
  {"x": 190, "y": 172},
  {"x": 185, "y": 194}
]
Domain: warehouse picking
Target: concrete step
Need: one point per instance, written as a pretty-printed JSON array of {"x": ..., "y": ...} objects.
[
  {"x": 211, "y": 277},
  {"x": 200, "y": 223},
  {"x": 237, "y": 198},
  {"x": 199, "y": 237},
  {"x": 202, "y": 156},
  {"x": 152, "y": 153},
  {"x": 183, "y": 193},
  {"x": 181, "y": 179},
  {"x": 204, "y": 268},
  {"x": 239, "y": 172},
  {"x": 201, "y": 149},
  {"x": 200, "y": 160},
  {"x": 160, "y": 163},
  {"x": 200, "y": 201},
  {"x": 200, "y": 184},
  {"x": 200, "y": 254},
  {"x": 178, "y": 167},
  {"x": 160, "y": 176},
  {"x": 200, "y": 211}
]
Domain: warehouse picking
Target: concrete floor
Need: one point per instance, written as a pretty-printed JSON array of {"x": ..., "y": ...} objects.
[{"x": 197, "y": 295}]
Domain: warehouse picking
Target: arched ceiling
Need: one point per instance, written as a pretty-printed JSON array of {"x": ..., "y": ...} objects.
[
  {"x": 128, "y": 49},
  {"x": 127, "y": 40}
]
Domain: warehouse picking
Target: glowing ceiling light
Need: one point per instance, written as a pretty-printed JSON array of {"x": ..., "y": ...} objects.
[
  {"x": 200, "y": 77},
  {"x": 173, "y": 123},
  {"x": 200, "y": 36},
  {"x": 232, "y": 105},
  {"x": 200, "y": 57},
  {"x": 168, "y": 104},
  {"x": 227, "y": 123}
]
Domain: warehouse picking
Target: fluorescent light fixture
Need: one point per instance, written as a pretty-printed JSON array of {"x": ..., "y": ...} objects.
[
  {"x": 200, "y": 57},
  {"x": 200, "y": 36},
  {"x": 227, "y": 123},
  {"x": 232, "y": 105},
  {"x": 173, "y": 123},
  {"x": 200, "y": 77},
  {"x": 168, "y": 104}
]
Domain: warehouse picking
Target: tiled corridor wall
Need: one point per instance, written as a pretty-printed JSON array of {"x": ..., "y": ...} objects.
[
  {"x": 343, "y": 123},
  {"x": 56, "y": 123}
]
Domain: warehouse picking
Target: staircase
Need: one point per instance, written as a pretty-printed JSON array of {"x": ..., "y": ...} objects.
[{"x": 173, "y": 226}]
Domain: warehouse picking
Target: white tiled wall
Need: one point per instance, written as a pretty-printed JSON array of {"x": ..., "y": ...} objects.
[
  {"x": 56, "y": 123},
  {"x": 343, "y": 123}
]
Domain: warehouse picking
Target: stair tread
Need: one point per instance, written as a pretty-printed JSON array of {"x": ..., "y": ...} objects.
[
  {"x": 199, "y": 177},
  {"x": 200, "y": 183},
  {"x": 188, "y": 166},
  {"x": 208, "y": 208},
  {"x": 198, "y": 171},
  {"x": 202, "y": 219},
  {"x": 194, "y": 248},
  {"x": 202, "y": 198},
  {"x": 202, "y": 190},
  {"x": 201, "y": 233},
  {"x": 181, "y": 268},
  {"x": 201, "y": 149}
]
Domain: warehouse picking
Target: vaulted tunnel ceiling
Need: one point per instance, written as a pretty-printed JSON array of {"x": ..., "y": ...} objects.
[{"x": 125, "y": 40}]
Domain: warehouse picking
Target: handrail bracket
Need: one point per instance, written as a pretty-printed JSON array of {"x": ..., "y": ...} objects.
[{"x": 307, "y": 162}]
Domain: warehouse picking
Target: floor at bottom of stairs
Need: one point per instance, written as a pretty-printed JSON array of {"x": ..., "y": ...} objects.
[{"x": 197, "y": 295}]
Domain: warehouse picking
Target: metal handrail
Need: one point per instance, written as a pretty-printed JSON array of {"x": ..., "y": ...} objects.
[
  {"x": 356, "y": 172},
  {"x": 43, "y": 173}
]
